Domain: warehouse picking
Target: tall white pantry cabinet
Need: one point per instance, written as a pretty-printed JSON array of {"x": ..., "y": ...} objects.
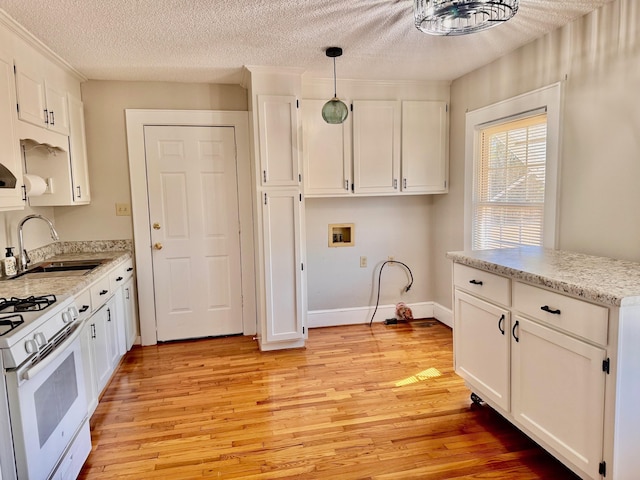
[{"x": 279, "y": 209}]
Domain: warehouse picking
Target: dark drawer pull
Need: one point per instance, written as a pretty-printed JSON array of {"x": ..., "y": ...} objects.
[
  {"x": 129, "y": 269},
  {"x": 513, "y": 331},
  {"x": 475, "y": 282},
  {"x": 104, "y": 292},
  {"x": 501, "y": 324},
  {"x": 547, "y": 309},
  {"x": 84, "y": 308},
  {"x": 118, "y": 279}
]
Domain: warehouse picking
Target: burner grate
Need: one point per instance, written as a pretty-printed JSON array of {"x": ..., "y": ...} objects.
[
  {"x": 11, "y": 321},
  {"x": 29, "y": 304}
]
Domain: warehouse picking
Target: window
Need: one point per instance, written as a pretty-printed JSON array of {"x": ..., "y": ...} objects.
[
  {"x": 511, "y": 166},
  {"x": 508, "y": 197}
]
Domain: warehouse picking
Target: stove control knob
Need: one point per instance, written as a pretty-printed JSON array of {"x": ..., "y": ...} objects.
[
  {"x": 40, "y": 339},
  {"x": 68, "y": 317},
  {"x": 73, "y": 310},
  {"x": 31, "y": 346}
]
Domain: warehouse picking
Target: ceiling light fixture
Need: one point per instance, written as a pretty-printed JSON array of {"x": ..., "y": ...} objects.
[
  {"x": 334, "y": 111},
  {"x": 460, "y": 17}
]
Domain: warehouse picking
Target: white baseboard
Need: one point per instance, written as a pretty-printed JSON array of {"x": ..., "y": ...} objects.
[
  {"x": 358, "y": 315},
  {"x": 444, "y": 315}
]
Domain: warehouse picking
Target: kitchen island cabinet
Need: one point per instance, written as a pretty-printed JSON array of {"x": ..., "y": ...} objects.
[{"x": 571, "y": 352}]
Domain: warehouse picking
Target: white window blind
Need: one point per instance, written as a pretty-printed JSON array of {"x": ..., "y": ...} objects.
[{"x": 509, "y": 186}]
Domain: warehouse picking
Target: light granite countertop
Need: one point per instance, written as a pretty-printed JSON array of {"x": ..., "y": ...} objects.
[
  {"x": 64, "y": 286},
  {"x": 598, "y": 279}
]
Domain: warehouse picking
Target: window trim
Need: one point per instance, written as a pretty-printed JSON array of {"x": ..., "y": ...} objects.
[{"x": 549, "y": 98}]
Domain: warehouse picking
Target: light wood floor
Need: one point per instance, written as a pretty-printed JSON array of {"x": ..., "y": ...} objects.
[{"x": 357, "y": 403}]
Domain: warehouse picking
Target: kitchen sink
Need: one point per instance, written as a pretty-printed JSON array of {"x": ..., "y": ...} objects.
[{"x": 62, "y": 268}]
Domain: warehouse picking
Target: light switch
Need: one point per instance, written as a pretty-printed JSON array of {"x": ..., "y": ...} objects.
[{"x": 123, "y": 209}]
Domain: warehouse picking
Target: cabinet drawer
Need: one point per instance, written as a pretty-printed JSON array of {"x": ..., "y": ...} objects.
[
  {"x": 574, "y": 316},
  {"x": 483, "y": 284},
  {"x": 83, "y": 302},
  {"x": 120, "y": 275},
  {"x": 100, "y": 293}
]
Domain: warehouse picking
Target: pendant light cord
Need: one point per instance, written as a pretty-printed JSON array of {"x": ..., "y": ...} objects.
[{"x": 335, "y": 89}]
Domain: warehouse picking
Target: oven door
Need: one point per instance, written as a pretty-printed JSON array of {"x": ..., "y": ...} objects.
[{"x": 47, "y": 405}]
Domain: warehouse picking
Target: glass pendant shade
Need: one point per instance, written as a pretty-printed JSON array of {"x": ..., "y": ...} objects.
[
  {"x": 460, "y": 17},
  {"x": 335, "y": 111}
]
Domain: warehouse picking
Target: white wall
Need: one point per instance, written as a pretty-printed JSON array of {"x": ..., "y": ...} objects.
[
  {"x": 384, "y": 226},
  {"x": 598, "y": 59}
]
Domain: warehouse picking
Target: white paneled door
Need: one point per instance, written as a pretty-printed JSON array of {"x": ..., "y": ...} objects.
[{"x": 193, "y": 209}]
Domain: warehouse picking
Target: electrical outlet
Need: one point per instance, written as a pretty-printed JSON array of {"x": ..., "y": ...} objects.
[
  {"x": 363, "y": 262},
  {"x": 123, "y": 209}
]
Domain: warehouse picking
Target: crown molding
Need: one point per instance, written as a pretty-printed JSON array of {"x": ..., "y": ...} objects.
[{"x": 14, "y": 27}]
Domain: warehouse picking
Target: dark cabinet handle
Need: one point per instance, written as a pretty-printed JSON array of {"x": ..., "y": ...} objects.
[
  {"x": 118, "y": 279},
  {"x": 93, "y": 330},
  {"x": 547, "y": 309},
  {"x": 104, "y": 292},
  {"x": 84, "y": 308},
  {"x": 129, "y": 269},
  {"x": 475, "y": 282},
  {"x": 501, "y": 324},
  {"x": 513, "y": 330},
  {"x": 46, "y": 116}
]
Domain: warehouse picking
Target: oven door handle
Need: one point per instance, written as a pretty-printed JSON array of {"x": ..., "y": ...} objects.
[{"x": 60, "y": 349}]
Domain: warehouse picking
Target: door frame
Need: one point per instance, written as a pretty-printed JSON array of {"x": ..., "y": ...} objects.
[{"x": 136, "y": 120}]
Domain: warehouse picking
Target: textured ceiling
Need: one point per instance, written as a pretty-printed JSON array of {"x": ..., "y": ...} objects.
[{"x": 209, "y": 41}]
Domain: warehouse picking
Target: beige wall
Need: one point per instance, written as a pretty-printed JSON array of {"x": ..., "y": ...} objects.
[
  {"x": 598, "y": 59},
  {"x": 104, "y": 105}
]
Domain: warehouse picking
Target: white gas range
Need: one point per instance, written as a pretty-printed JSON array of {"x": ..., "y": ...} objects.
[{"x": 44, "y": 430}]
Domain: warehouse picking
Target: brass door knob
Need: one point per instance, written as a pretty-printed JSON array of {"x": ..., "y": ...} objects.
[
  {"x": 156, "y": 226},
  {"x": 157, "y": 246}
]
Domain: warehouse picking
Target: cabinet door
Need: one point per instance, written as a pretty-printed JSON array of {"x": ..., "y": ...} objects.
[
  {"x": 57, "y": 107},
  {"x": 481, "y": 347},
  {"x": 424, "y": 147},
  {"x": 376, "y": 146},
  {"x": 281, "y": 223},
  {"x": 278, "y": 129},
  {"x": 130, "y": 312},
  {"x": 326, "y": 153},
  {"x": 558, "y": 392},
  {"x": 10, "y": 198},
  {"x": 32, "y": 106},
  {"x": 78, "y": 152},
  {"x": 113, "y": 350},
  {"x": 102, "y": 345},
  {"x": 89, "y": 365}
]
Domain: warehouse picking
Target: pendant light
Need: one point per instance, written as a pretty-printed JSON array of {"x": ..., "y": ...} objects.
[
  {"x": 460, "y": 17},
  {"x": 334, "y": 111}
]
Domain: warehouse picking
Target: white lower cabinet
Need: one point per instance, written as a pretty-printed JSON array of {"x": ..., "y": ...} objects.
[
  {"x": 482, "y": 347},
  {"x": 130, "y": 312},
  {"x": 105, "y": 343},
  {"x": 558, "y": 391},
  {"x": 110, "y": 327},
  {"x": 283, "y": 267},
  {"x": 527, "y": 353}
]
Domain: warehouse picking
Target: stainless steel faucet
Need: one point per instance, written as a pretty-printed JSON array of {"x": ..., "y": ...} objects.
[{"x": 24, "y": 258}]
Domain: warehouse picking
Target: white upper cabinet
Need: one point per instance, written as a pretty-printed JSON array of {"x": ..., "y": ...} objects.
[
  {"x": 278, "y": 138},
  {"x": 326, "y": 153},
  {"x": 376, "y": 146},
  {"x": 78, "y": 152},
  {"x": 11, "y": 198},
  {"x": 424, "y": 147},
  {"x": 65, "y": 168},
  {"x": 383, "y": 148},
  {"x": 40, "y": 102}
]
